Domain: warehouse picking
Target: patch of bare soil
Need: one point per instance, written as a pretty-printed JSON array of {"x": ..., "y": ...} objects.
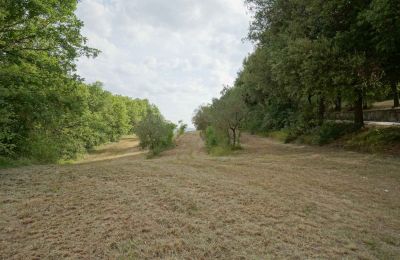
[{"x": 270, "y": 200}]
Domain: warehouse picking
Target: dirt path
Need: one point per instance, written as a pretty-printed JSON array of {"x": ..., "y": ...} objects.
[{"x": 268, "y": 201}]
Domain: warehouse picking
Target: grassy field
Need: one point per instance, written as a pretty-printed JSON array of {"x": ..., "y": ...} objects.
[{"x": 270, "y": 200}]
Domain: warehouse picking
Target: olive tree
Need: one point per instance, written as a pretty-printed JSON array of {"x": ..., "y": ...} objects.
[{"x": 155, "y": 133}]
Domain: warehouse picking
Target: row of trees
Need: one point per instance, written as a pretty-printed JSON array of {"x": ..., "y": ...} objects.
[
  {"x": 47, "y": 112},
  {"x": 222, "y": 119},
  {"x": 313, "y": 57},
  {"x": 52, "y": 122}
]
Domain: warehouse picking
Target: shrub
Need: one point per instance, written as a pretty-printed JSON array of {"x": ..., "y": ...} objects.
[
  {"x": 331, "y": 131},
  {"x": 280, "y": 135},
  {"x": 375, "y": 139},
  {"x": 43, "y": 148},
  {"x": 181, "y": 128},
  {"x": 217, "y": 143},
  {"x": 211, "y": 139},
  {"x": 155, "y": 133},
  {"x": 294, "y": 133},
  {"x": 6, "y": 162},
  {"x": 320, "y": 135},
  {"x": 214, "y": 138}
]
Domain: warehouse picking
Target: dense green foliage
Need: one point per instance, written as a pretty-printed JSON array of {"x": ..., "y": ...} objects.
[
  {"x": 313, "y": 58},
  {"x": 155, "y": 133},
  {"x": 47, "y": 112}
]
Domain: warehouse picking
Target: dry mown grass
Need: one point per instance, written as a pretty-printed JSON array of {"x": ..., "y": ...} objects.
[{"x": 268, "y": 201}]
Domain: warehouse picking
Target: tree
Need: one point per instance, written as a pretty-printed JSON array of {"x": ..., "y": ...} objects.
[
  {"x": 47, "y": 112},
  {"x": 202, "y": 117},
  {"x": 383, "y": 16},
  {"x": 229, "y": 113},
  {"x": 43, "y": 33},
  {"x": 181, "y": 128},
  {"x": 39, "y": 43},
  {"x": 305, "y": 40},
  {"x": 155, "y": 133},
  {"x": 225, "y": 115}
]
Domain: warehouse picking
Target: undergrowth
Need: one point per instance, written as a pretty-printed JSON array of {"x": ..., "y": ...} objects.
[
  {"x": 217, "y": 144},
  {"x": 376, "y": 140},
  {"x": 372, "y": 139},
  {"x": 11, "y": 163}
]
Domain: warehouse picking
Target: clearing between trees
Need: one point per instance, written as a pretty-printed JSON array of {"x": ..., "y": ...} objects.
[{"x": 270, "y": 200}]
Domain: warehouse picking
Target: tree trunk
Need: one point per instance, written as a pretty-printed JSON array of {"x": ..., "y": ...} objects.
[
  {"x": 229, "y": 137},
  {"x": 358, "y": 110},
  {"x": 321, "y": 111},
  {"x": 365, "y": 103},
  {"x": 395, "y": 93},
  {"x": 234, "y": 137},
  {"x": 338, "y": 103},
  {"x": 309, "y": 99}
]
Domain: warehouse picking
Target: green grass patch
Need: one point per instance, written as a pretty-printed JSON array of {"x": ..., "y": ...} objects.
[
  {"x": 280, "y": 135},
  {"x": 220, "y": 151},
  {"x": 12, "y": 163}
]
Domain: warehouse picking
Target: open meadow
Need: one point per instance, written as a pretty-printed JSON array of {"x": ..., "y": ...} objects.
[{"x": 270, "y": 200}]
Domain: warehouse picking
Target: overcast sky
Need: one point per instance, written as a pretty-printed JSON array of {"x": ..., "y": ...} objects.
[{"x": 176, "y": 53}]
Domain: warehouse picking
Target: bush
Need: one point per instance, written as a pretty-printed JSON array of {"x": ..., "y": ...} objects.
[
  {"x": 6, "y": 162},
  {"x": 375, "y": 140},
  {"x": 45, "y": 147},
  {"x": 216, "y": 143},
  {"x": 320, "y": 135},
  {"x": 331, "y": 131},
  {"x": 294, "y": 133},
  {"x": 280, "y": 135},
  {"x": 211, "y": 139},
  {"x": 214, "y": 137},
  {"x": 155, "y": 133},
  {"x": 181, "y": 128},
  {"x": 42, "y": 148}
]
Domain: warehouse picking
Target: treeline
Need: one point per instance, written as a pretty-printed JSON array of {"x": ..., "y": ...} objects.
[
  {"x": 312, "y": 58},
  {"x": 47, "y": 112}
]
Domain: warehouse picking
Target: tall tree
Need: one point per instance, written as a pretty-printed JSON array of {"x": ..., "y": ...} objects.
[
  {"x": 45, "y": 33},
  {"x": 383, "y": 16}
]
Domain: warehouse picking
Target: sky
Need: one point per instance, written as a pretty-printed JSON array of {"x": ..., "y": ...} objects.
[{"x": 176, "y": 53}]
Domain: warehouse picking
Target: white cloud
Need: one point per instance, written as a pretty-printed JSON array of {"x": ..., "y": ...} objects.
[{"x": 176, "y": 53}]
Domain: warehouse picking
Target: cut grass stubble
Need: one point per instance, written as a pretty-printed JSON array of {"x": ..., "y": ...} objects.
[{"x": 270, "y": 200}]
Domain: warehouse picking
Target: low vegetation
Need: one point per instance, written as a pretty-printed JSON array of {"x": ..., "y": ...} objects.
[
  {"x": 382, "y": 140},
  {"x": 320, "y": 135},
  {"x": 182, "y": 127},
  {"x": 376, "y": 140}
]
